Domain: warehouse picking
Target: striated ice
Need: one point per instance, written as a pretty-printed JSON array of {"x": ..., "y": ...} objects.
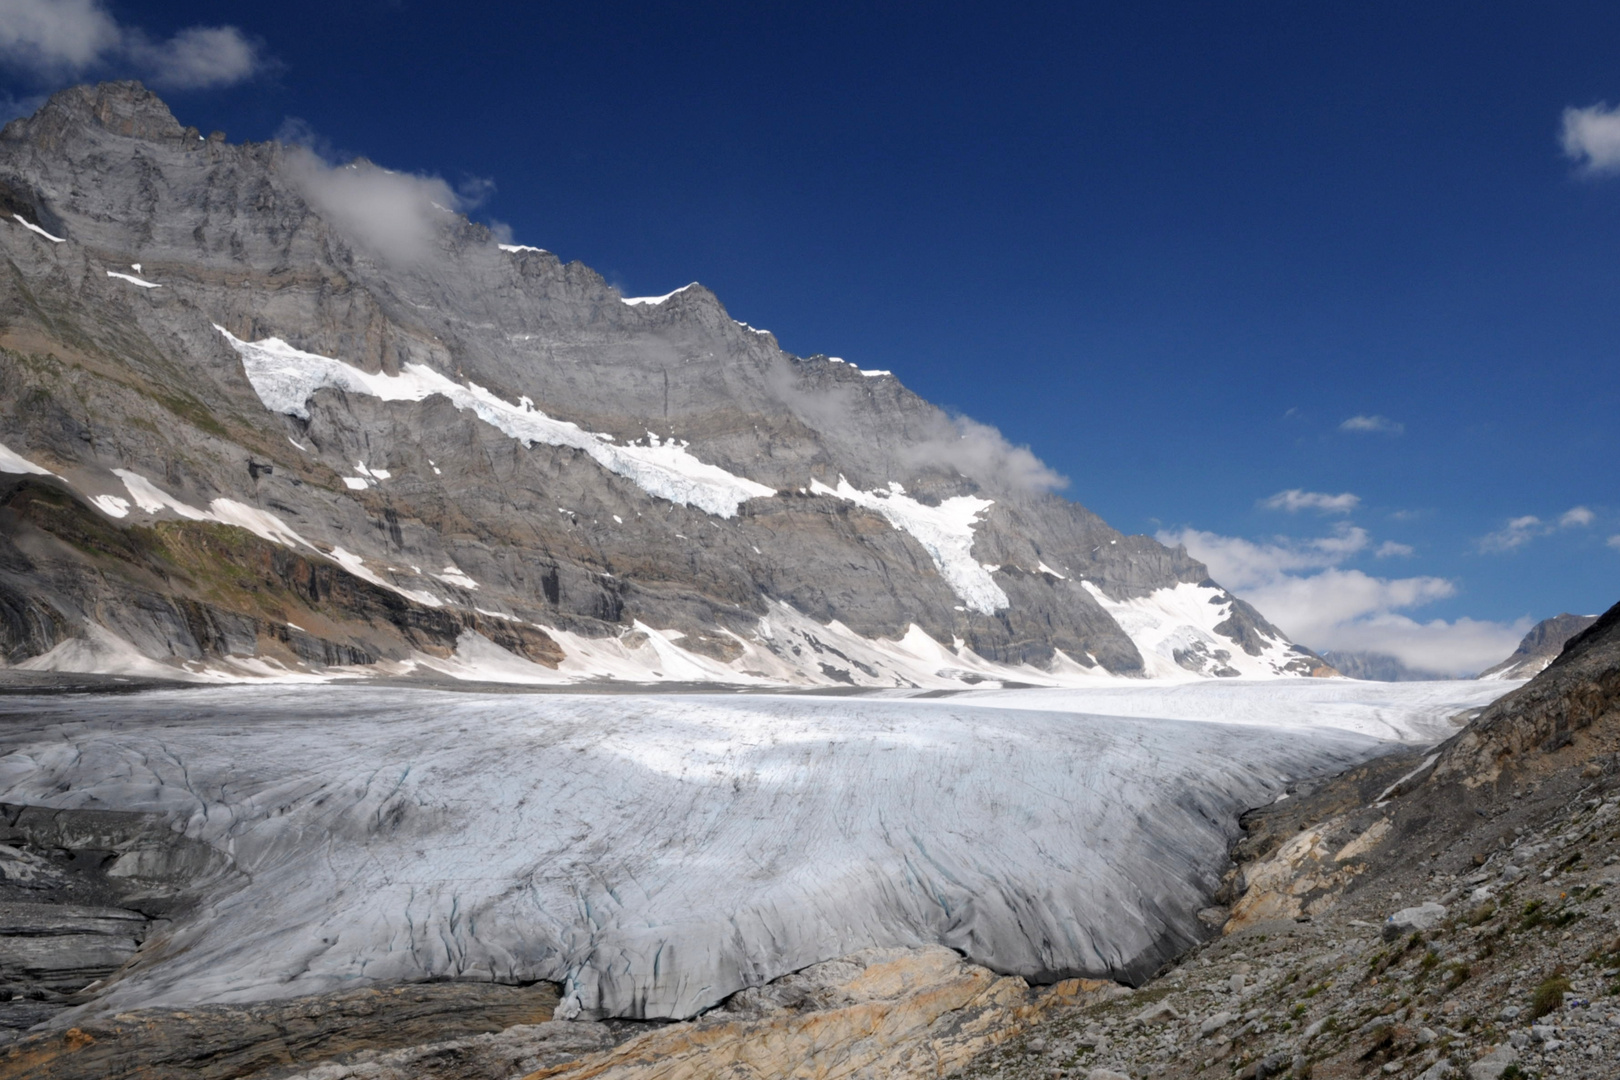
[{"x": 654, "y": 853}]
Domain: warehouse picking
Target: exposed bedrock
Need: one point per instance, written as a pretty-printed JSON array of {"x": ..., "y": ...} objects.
[{"x": 894, "y": 1013}]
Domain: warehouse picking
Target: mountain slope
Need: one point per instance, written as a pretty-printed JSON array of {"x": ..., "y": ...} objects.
[
  {"x": 552, "y": 481},
  {"x": 1540, "y": 647}
]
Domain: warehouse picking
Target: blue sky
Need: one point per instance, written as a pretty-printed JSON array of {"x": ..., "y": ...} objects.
[{"x": 1178, "y": 250}]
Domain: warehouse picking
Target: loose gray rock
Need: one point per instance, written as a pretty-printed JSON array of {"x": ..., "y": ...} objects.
[
  {"x": 1413, "y": 919},
  {"x": 1494, "y": 1064},
  {"x": 1161, "y": 1013}
]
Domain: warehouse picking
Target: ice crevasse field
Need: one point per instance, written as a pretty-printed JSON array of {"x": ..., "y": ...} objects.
[{"x": 655, "y": 853}]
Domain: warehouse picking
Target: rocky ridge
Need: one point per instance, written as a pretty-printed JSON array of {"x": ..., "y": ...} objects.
[
  {"x": 1450, "y": 914},
  {"x": 245, "y": 432},
  {"x": 1540, "y": 647}
]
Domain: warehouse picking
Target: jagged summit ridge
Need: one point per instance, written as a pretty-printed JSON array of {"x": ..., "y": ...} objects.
[{"x": 468, "y": 426}]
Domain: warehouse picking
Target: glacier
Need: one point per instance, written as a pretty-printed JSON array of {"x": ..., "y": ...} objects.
[{"x": 655, "y": 853}]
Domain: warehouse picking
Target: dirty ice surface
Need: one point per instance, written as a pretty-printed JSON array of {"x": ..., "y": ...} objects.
[{"x": 655, "y": 853}]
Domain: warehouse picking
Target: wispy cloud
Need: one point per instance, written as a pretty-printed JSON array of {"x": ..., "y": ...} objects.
[
  {"x": 1576, "y": 517},
  {"x": 60, "y": 39},
  {"x": 1303, "y": 587},
  {"x": 981, "y": 451},
  {"x": 1520, "y": 531},
  {"x": 1389, "y": 549},
  {"x": 1614, "y": 541},
  {"x": 938, "y": 440},
  {"x": 1294, "y": 500},
  {"x": 392, "y": 214},
  {"x": 1591, "y": 138},
  {"x": 1515, "y": 534},
  {"x": 1378, "y": 424}
]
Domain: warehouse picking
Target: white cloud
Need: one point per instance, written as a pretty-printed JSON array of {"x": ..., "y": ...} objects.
[
  {"x": 56, "y": 39},
  {"x": 1391, "y": 549},
  {"x": 1576, "y": 517},
  {"x": 1515, "y": 534},
  {"x": 195, "y": 58},
  {"x": 1301, "y": 586},
  {"x": 1614, "y": 541},
  {"x": 1293, "y": 500},
  {"x": 53, "y": 37},
  {"x": 981, "y": 451},
  {"x": 1374, "y": 424},
  {"x": 1463, "y": 647},
  {"x": 1591, "y": 137},
  {"x": 396, "y": 215},
  {"x": 1520, "y": 531}
]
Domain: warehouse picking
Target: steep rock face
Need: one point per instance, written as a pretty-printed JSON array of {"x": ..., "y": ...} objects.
[
  {"x": 1558, "y": 731},
  {"x": 201, "y": 331},
  {"x": 1540, "y": 647},
  {"x": 1578, "y": 690}
]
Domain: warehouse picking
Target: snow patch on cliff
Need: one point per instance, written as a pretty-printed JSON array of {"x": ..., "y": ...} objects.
[
  {"x": 1174, "y": 630},
  {"x": 31, "y": 227},
  {"x": 944, "y": 531},
  {"x": 653, "y": 301},
  {"x": 133, "y": 280},
  {"x": 285, "y": 378},
  {"x": 13, "y": 462}
]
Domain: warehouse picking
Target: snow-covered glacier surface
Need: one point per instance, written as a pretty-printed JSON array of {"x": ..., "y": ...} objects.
[{"x": 656, "y": 853}]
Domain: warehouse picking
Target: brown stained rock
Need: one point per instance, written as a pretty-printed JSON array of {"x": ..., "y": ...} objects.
[{"x": 899, "y": 1013}]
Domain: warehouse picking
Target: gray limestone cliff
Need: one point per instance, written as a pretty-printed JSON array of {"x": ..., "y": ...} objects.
[{"x": 160, "y": 497}]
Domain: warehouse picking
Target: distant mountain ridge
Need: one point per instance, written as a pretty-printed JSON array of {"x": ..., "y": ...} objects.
[
  {"x": 264, "y": 416},
  {"x": 1377, "y": 667}
]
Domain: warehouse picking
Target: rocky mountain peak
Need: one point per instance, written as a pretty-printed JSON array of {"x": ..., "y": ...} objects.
[
  {"x": 524, "y": 473},
  {"x": 124, "y": 108},
  {"x": 1540, "y": 647}
]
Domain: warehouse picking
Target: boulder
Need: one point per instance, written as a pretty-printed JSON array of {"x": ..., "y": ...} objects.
[
  {"x": 1493, "y": 1064},
  {"x": 1414, "y": 919},
  {"x": 1161, "y": 1013}
]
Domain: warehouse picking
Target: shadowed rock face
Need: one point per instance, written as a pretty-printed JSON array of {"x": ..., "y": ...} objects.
[{"x": 99, "y": 372}]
